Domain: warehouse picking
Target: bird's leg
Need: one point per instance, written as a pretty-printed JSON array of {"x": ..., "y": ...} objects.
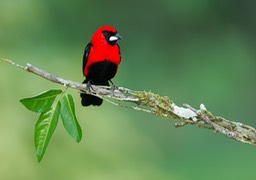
[
  {"x": 113, "y": 86},
  {"x": 89, "y": 86}
]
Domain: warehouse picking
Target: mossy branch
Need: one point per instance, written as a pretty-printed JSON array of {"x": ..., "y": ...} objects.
[{"x": 155, "y": 104}]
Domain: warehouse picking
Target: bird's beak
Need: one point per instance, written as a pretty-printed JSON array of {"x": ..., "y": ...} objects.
[
  {"x": 118, "y": 36},
  {"x": 115, "y": 37}
]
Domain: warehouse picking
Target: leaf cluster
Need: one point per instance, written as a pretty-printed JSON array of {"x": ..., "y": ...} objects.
[{"x": 51, "y": 105}]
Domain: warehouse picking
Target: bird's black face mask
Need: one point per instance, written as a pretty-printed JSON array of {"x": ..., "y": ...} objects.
[{"x": 111, "y": 37}]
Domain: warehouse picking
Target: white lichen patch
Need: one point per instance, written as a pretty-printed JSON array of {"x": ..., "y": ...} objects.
[
  {"x": 202, "y": 107},
  {"x": 184, "y": 113}
]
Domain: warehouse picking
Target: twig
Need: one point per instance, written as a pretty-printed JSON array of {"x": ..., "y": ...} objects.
[{"x": 153, "y": 103}]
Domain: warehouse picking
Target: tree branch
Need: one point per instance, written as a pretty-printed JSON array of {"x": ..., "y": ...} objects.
[{"x": 155, "y": 104}]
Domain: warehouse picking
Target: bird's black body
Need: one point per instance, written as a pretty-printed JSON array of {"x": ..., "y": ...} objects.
[{"x": 99, "y": 74}]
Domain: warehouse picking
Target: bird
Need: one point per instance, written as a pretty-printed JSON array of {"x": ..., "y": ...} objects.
[{"x": 100, "y": 61}]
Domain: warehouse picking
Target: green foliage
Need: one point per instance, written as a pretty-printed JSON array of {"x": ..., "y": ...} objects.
[
  {"x": 45, "y": 128},
  {"x": 41, "y": 102},
  {"x": 52, "y": 104},
  {"x": 69, "y": 119}
]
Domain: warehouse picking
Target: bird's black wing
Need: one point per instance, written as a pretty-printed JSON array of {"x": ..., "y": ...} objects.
[{"x": 86, "y": 54}]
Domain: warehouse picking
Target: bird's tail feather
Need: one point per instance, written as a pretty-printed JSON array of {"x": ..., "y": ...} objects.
[{"x": 88, "y": 100}]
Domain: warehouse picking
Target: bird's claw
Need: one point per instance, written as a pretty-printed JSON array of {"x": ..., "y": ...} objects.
[
  {"x": 113, "y": 86},
  {"x": 89, "y": 87}
]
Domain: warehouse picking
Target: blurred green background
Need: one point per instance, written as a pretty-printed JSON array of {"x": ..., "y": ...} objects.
[{"x": 192, "y": 51}]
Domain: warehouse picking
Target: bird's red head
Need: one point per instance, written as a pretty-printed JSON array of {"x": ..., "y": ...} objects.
[{"x": 105, "y": 34}]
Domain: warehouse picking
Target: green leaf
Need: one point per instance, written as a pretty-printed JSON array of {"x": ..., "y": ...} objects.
[
  {"x": 41, "y": 102},
  {"x": 69, "y": 119},
  {"x": 44, "y": 129}
]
